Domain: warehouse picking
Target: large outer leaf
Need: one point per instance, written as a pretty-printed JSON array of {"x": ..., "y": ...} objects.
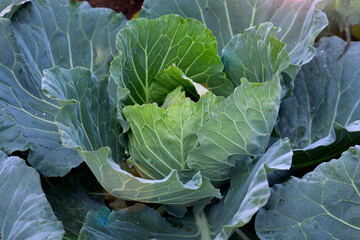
[
  {"x": 322, "y": 118},
  {"x": 137, "y": 222},
  {"x": 300, "y": 21},
  {"x": 88, "y": 123},
  {"x": 38, "y": 37},
  {"x": 24, "y": 210},
  {"x": 149, "y": 46},
  {"x": 241, "y": 126},
  {"x": 160, "y": 139},
  {"x": 324, "y": 204}
]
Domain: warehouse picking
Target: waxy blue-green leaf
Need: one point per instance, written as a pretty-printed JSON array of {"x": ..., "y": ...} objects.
[
  {"x": 256, "y": 55},
  {"x": 37, "y": 37},
  {"x": 138, "y": 222},
  {"x": 322, "y": 118},
  {"x": 87, "y": 120},
  {"x": 160, "y": 139},
  {"x": 87, "y": 123},
  {"x": 299, "y": 21},
  {"x": 24, "y": 211},
  {"x": 9, "y": 7},
  {"x": 324, "y": 204},
  {"x": 248, "y": 192},
  {"x": 240, "y": 127},
  {"x": 147, "y": 47}
]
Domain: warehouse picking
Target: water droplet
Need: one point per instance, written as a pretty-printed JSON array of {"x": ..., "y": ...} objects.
[
  {"x": 44, "y": 114},
  {"x": 148, "y": 160}
]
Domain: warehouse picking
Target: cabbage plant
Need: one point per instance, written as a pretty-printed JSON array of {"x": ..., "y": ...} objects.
[{"x": 167, "y": 126}]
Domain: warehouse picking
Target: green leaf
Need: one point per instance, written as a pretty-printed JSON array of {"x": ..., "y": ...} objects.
[
  {"x": 256, "y": 55},
  {"x": 133, "y": 223},
  {"x": 88, "y": 124},
  {"x": 9, "y": 7},
  {"x": 299, "y": 21},
  {"x": 168, "y": 80},
  {"x": 169, "y": 190},
  {"x": 24, "y": 210},
  {"x": 324, "y": 204},
  {"x": 147, "y": 47},
  {"x": 322, "y": 118},
  {"x": 240, "y": 127},
  {"x": 174, "y": 97},
  {"x": 160, "y": 139},
  {"x": 248, "y": 192},
  {"x": 40, "y": 36},
  {"x": 71, "y": 203}
]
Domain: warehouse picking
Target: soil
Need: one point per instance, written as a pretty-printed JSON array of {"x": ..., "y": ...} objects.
[{"x": 128, "y": 7}]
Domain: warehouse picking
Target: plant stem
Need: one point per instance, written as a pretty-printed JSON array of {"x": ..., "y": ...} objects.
[{"x": 203, "y": 226}]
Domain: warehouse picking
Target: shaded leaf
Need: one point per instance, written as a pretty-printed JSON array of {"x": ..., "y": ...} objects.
[
  {"x": 133, "y": 223},
  {"x": 178, "y": 211},
  {"x": 168, "y": 80},
  {"x": 71, "y": 203},
  {"x": 24, "y": 211}
]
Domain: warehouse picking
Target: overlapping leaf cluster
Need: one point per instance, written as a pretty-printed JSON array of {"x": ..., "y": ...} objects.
[{"x": 183, "y": 109}]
